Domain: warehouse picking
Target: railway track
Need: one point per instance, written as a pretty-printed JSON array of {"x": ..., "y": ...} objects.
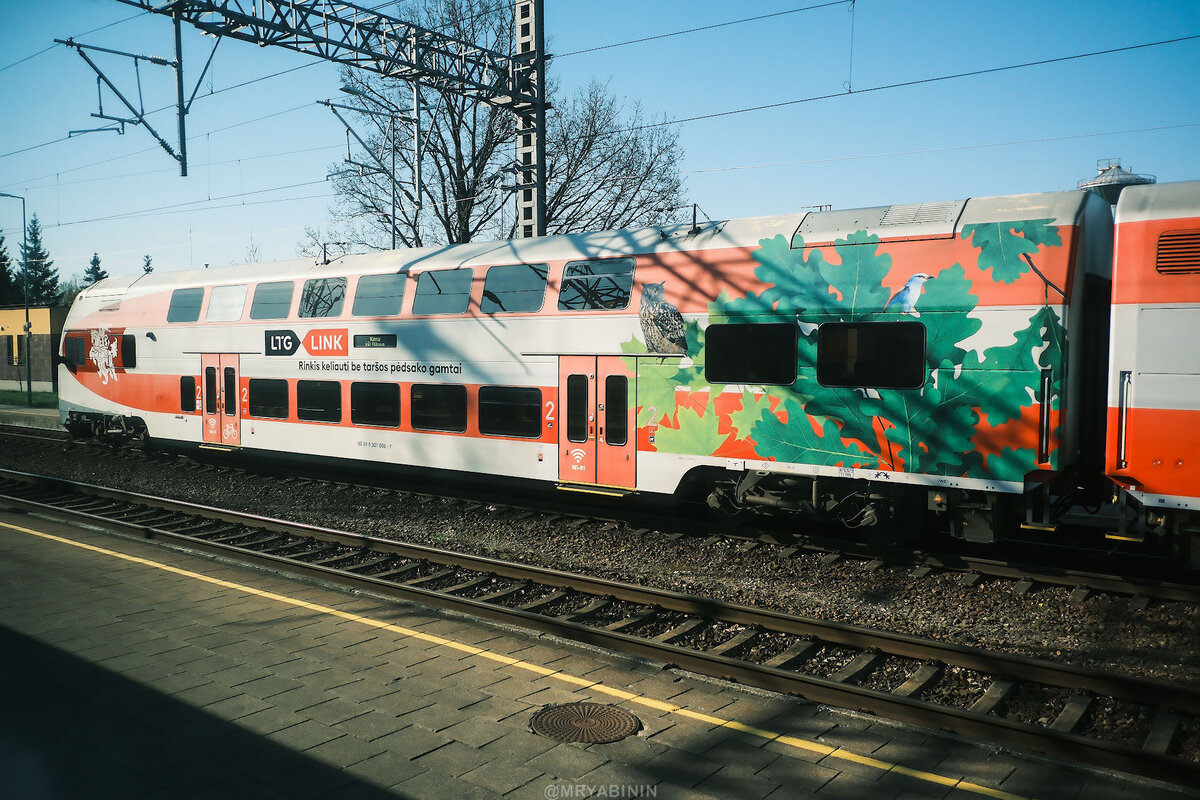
[
  {"x": 1140, "y": 726},
  {"x": 1025, "y": 573}
]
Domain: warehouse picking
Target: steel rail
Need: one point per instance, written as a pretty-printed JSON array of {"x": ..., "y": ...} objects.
[{"x": 824, "y": 690}]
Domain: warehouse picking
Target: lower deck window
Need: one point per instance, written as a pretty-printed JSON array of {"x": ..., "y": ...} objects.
[
  {"x": 375, "y": 404},
  {"x": 268, "y": 398},
  {"x": 319, "y": 401},
  {"x": 879, "y": 355},
  {"x": 187, "y": 393},
  {"x": 439, "y": 407},
  {"x": 510, "y": 411}
]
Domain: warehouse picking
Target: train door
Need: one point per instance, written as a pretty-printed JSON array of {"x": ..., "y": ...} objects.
[
  {"x": 222, "y": 407},
  {"x": 598, "y": 437}
]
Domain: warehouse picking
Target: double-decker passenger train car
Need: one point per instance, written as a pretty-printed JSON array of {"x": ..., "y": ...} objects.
[{"x": 874, "y": 366}]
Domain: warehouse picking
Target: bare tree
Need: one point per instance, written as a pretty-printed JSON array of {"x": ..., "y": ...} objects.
[{"x": 606, "y": 166}]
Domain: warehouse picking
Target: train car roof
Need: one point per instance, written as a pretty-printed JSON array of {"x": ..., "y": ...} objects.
[{"x": 894, "y": 222}]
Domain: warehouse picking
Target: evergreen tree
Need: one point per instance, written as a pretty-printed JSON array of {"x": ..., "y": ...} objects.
[
  {"x": 43, "y": 277},
  {"x": 146, "y": 268},
  {"x": 93, "y": 273},
  {"x": 11, "y": 293}
]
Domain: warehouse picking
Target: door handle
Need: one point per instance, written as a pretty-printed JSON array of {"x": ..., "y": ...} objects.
[{"x": 1122, "y": 414}]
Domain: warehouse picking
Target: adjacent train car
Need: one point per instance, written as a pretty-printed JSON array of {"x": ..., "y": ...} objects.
[
  {"x": 873, "y": 366},
  {"x": 1153, "y": 447}
]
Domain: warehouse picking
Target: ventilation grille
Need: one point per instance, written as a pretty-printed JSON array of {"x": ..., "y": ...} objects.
[
  {"x": 921, "y": 212},
  {"x": 1178, "y": 252}
]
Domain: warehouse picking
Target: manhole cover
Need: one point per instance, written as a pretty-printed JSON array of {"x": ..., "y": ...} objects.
[{"x": 585, "y": 722}]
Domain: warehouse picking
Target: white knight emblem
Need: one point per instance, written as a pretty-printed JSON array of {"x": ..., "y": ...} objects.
[{"x": 103, "y": 354}]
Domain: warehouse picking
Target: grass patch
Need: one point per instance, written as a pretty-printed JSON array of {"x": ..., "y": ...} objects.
[{"x": 12, "y": 397}]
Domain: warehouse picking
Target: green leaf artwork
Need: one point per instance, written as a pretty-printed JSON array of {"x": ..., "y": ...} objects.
[
  {"x": 1003, "y": 245},
  {"x": 930, "y": 429}
]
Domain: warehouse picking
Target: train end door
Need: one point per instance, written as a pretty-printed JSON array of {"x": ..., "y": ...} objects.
[
  {"x": 597, "y": 440},
  {"x": 222, "y": 408}
]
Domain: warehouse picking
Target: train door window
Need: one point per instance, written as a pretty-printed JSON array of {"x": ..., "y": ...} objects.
[
  {"x": 510, "y": 411},
  {"x": 187, "y": 393},
  {"x": 616, "y": 409},
  {"x": 439, "y": 407},
  {"x": 231, "y": 392},
  {"x": 443, "y": 291},
  {"x": 226, "y": 303},
  {"x": 322, "y": 297},
  {"x": 379, "y": 295},
  {"x": 272, "y": 300},
  {"x": 185, "y": 305},
  {"x": 880, "y": 355},
  {"x": 597, "y": 284},
  {"x": 520, "y": 287},
  {"x": 375, "y": 404},
  {"x": 74, "y": 350},
  {"x": 210, "y": 390},
  {"x": 751, "y": 353},
  {"x": 577, "y": 408},
  {"x": 128, "y": 351},
  {"x": 268, "y": 398},
  {"x": 319, "y": 401}
]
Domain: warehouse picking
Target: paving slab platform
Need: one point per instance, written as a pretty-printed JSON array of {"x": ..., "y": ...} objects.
[
  {"x": 42, "y": 418},
  {"x": 137, "y": 670}
]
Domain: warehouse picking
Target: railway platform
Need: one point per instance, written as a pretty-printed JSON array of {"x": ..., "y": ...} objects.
[
  {"x": 137, "y": 670},
  {"x": 22, "y": 416}
]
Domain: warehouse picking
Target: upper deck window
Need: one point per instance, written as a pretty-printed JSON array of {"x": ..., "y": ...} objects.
[
  {"x": 880, "y": 355},
  {"x": 322, "y": 297},
  {"x": 443, "y": 291},
  {"x": 510, "y": 289},
  {"x": 379, "y": 295},
  {"x": 272, "y": 300},
  {"x": 226, "y": 303},
  {"x": 761, "y": 353},
  {"x": 185, "y": 305},
  {"x": 597, "y": 284}
]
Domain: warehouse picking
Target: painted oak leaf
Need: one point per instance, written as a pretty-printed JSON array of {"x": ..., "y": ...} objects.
[
  {"x": 796, "y": 441},
  {"x": 1002, "y": 245},
  {"x": 696, "y": 434}
]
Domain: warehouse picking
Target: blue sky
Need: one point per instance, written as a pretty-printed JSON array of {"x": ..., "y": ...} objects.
[{"x": 259, "y": 153}]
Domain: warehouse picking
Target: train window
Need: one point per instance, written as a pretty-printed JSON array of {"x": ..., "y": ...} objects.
[
  {"x": 605, "y": 283},
  {"x": 319, "y": 401},
  {"x": 520, "y": 287},
  {"x": 379, "y": 295},
  {"x": 210, "y": 390},
  {"x": 578, "y": 408},
  {"x": 272, "y": 300},
  {"x": 880, "y": 355},
  {"x": 616, "y": 409},
  {"x": 128, "y": 351},
  {"x": 268, "y": 398},
  {"x": 376, "y": 404},
  {"x": 74, "y": 350},
  {"x": 443, "y": 291},
  {"x": 439, "y": 407},
  {"x": 187, "y": 393},
  {"x": 231, "y": 392},
  {"x": 754, "y": 353},
  {"x": 185, "y": 305},
  {"x": 510, "y": 411},
  {"x": 322, "y": 297},
  {"x": 226, "y": 304}
]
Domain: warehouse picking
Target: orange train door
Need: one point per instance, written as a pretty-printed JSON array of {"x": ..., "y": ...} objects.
[
  {"x": 221, "y": 410},
  {"x": 597, "y": 439}
]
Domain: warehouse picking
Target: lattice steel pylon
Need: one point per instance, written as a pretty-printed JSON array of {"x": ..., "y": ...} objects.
[{"x": 359, "y": 37}]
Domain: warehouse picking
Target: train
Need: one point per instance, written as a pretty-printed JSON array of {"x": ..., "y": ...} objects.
[{"x": 979, "y": 367}]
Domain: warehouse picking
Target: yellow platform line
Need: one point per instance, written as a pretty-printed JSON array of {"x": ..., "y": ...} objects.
[{"x": 553, "y": 674}]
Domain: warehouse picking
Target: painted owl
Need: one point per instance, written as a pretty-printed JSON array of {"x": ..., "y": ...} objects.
[{"x": 662, "y": 324}]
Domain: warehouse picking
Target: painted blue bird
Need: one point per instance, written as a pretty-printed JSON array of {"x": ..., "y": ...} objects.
[{"x": 907, "y": 297}]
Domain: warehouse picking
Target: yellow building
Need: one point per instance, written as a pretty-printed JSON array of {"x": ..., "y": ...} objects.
[{"x": 46, "y": 326}]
